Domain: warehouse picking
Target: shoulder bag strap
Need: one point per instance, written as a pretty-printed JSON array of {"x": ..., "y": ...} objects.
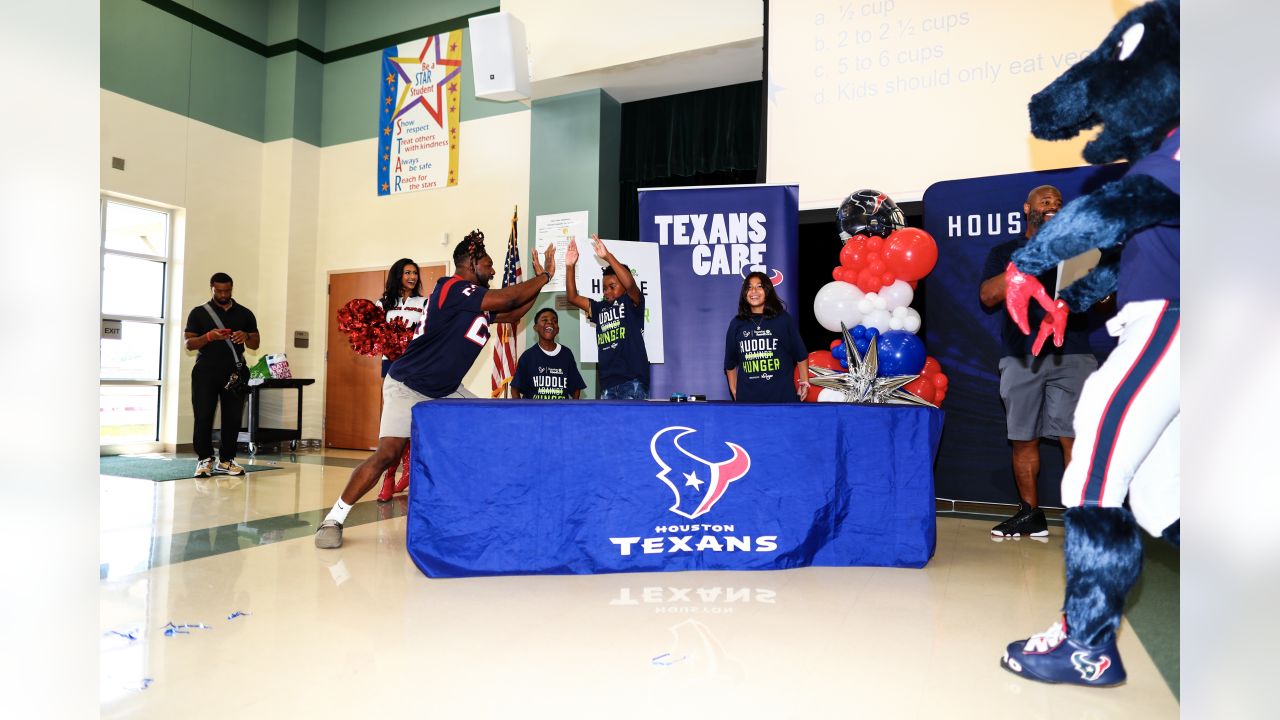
[{"x": 218, "y": 322}]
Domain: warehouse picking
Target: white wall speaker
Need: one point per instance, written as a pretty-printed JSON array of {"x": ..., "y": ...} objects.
[{"x": 499, "y": 57}]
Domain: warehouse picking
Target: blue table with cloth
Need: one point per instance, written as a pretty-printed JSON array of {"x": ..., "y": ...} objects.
[{"x": 579, "y": 487}]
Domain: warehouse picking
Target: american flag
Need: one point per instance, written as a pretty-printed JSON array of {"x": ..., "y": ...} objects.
[{"x": 504, "y": 346}]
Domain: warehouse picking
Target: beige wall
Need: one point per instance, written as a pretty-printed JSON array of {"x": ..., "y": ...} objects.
[
  {"x": 214, "y": 178},
  {"x": 359, "y": 230},
  {"x": 279, "y": 217}
]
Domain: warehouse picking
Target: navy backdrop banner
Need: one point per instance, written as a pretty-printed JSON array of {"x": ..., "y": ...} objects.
[
  {"x": 711, "y": 237},
  {"x": 580, "y": 487},
  {"x": 967, "y": 218}
]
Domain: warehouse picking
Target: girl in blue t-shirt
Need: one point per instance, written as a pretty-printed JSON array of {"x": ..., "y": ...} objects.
[{"x": 763, "y": 347}]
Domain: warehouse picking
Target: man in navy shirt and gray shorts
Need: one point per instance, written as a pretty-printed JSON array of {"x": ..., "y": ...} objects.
[
  {"x": 432, "y": 367},
  {"x": 1039, "y": 392}
]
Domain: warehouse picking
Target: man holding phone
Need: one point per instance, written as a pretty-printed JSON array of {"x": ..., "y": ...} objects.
[{"x": 235, "y": 325}]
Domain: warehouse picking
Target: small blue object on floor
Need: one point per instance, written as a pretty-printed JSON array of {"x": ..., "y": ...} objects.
[{"x": 158, "y": 469}]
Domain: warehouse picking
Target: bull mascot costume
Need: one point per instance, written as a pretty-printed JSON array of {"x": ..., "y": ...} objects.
[{"x": 1126, "y": 421}]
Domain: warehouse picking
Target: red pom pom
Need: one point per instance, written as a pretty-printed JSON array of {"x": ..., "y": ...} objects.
[
  {"x": 363, "y": 322},
  {"x": 394, "y": 338}
]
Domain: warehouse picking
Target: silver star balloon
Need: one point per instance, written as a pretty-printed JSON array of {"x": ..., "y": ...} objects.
[{"x": 860, "y": 384}]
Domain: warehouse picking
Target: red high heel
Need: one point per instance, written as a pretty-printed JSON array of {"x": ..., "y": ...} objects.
[
  {"x": 404, "y": 472},
  {"x": 388, "y": 485}
]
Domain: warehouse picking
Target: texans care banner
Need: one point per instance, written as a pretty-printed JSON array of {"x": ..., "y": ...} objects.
[
  {"x": 967, "y": 218},
  {"x": 418, "y": 114},
  {"x": 710, "y": 238},
  {"x": 652, "y": 486}
]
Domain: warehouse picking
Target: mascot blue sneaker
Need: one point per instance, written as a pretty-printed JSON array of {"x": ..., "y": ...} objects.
[
  {"x": 1127, "y": 419},
  {"x": 1054, "y": 657}
]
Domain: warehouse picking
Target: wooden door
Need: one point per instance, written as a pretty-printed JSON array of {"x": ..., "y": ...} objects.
[{"x": 353, "y": 384}]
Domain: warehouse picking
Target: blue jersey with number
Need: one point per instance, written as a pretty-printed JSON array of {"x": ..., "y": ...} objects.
[{"x": 436, "y": 361}]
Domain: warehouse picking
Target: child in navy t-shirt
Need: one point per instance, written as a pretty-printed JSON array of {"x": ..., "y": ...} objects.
[
  {"x": 547, "y": 371},
  {"x": 619, "y": 320}
]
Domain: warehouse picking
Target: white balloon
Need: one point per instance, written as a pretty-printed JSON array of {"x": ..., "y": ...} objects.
[
  {"x": 878, "y": 319},
  {"x": 835, "y": 302},
  {"x": 895, "y": 323},
  {"x": 899, "y": 294},
  {"x": 865, "y": 306},
  {"x": 879, "y": 302},
  {"x": 829, "y": 395},
  {"x": 911, "y": 323},
  {"x": 899, "y": 313}
]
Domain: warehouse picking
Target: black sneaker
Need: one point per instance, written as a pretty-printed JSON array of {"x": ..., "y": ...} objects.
[{"x": 1028, "y": 522}]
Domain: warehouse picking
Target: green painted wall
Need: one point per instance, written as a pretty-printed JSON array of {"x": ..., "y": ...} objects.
[
  {"x": 573, "y": 166},
  {"x": 228, "y": 85},
  {"x": 296, "y": 19},
  {"x": 293, "y": 100},
  {"x": 246, "y": 16},
  {"x": 350, "y": 22},
  {"x": 152, "y": 56},
  {"x": 146, "y": 54}
]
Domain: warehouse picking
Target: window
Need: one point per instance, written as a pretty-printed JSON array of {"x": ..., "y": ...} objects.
[{"x": 135, "y": 273}]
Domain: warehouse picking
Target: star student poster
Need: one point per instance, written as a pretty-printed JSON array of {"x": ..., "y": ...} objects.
[{"x": 418, "y": 114}]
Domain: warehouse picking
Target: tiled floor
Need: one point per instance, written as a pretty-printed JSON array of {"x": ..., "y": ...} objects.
[{"x": 361, "y": 631}]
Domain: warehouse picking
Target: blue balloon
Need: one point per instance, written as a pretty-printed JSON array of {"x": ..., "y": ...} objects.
[
  {"x": 839, "y": 353},
  {"x": 862, "y": 337},
  {"x": 899, "y": 353}
]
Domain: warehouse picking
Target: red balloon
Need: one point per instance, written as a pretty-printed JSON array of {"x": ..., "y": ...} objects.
[
  {"x": 876, "y": 267},
  {"x": 853, "y": 254},
  {"x": 939, "y": 381},
  {"x": 911, "y": 253},
  {"x": 912, "y": 283},
  {"x": 875, "y": 244},
  {"x": 887, "y": 279},
  {"x": 939, "y": 396},
  {"x": 824, "y": 359},
  {"x": 837, "y": 341},
  {"x": 859, "y": 238},
  {"x": 867, "y": 281},
  {"x": 931, "y": 366},
  {"x": 921, "y": 388},
  {"x": 837, "y": 273}
]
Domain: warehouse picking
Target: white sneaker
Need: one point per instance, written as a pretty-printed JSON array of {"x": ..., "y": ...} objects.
[
  {"x": 204, "y": 468},
  {"x": 228, "y": 467}
]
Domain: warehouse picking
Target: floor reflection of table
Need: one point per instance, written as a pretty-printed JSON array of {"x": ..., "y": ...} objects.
[{"x": 533, "y": 487}]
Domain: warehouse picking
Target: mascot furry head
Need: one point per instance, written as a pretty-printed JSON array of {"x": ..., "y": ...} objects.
[{"x": 1129, "y": 86}]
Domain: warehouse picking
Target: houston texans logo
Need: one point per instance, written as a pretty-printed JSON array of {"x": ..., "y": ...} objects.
[
  {"x": 775, "y": 275},
  {"x": 1090, "y": 670},
  {"x": 699, "y": 484}
]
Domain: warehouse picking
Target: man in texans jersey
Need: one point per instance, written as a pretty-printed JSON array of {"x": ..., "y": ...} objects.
[{"x": 460, "y": 310}]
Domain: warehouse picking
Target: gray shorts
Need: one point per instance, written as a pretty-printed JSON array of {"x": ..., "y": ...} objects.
[
  {"x": 398, "y": 400},
  {"x": 1040, "y": 393}
]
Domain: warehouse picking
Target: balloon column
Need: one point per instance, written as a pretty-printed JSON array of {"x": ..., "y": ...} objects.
[{"x": 880, "y": 265}]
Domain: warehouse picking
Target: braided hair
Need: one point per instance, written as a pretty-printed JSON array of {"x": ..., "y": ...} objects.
[{"x": 471, "y": 248}]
